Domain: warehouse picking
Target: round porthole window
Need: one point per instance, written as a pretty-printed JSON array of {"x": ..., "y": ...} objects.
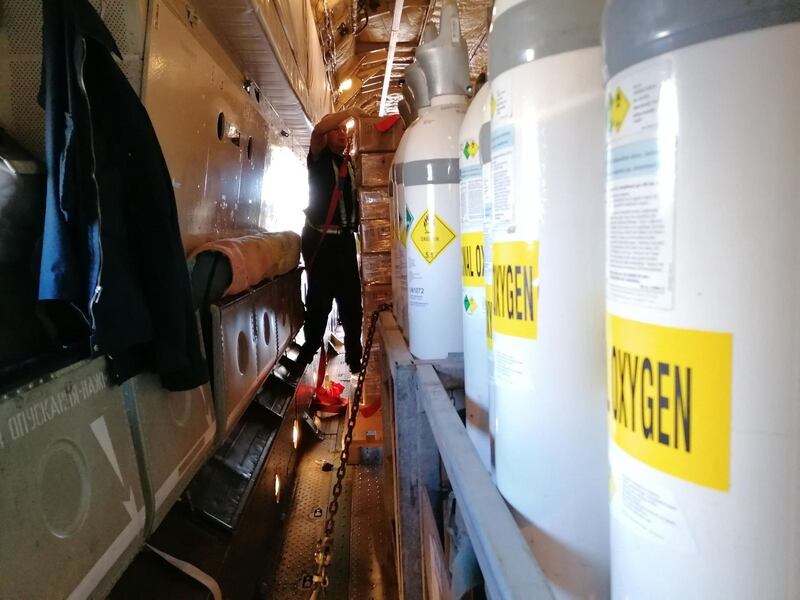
[
  {"x": 221, "y": 126},
  {"x": 243, "y": 352},
  {"x": 267, "y": 328},
  {"x": 180, "y": 407},
  {"x": 64, "y": 488}
]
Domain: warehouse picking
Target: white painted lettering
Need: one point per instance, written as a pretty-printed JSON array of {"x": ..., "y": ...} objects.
[
  {"x": 44, "y": 411},
  {"x": 14, "y": 428}
]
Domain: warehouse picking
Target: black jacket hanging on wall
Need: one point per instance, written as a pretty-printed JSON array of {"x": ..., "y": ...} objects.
[{"x": 112, "y": 243}]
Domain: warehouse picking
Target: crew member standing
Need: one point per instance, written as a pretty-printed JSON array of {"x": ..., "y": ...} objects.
[{"x": 328, "y": 240}]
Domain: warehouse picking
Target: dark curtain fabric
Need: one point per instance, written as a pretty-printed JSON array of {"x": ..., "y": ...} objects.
[
  {"x": 21, "y": 216},
  {"x": 112, "y": 242}
]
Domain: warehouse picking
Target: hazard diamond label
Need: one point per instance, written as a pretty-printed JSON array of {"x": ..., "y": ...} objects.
[
  {"x": 404, "y": 227},
  {"x": 618, "y": 105},
  {"x": 431, "y": 236},
  {"x": 470, "y": 306}
]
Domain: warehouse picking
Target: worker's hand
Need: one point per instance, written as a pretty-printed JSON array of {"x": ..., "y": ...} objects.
[
  {"x": 330, "y": 122},
  {"x": 358, "y": 113}
]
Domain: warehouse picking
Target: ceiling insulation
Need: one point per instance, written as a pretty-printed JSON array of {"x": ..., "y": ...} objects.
[
  {"x": 475, "y": 16},
  {"x": 275, "y": 43},
  {"x": 362, "y": 56},
  {"x": 379, "y": 27}
]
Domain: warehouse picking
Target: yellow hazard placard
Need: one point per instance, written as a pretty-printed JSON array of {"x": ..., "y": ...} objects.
[
  {"x": 472, "y": 259},
  {"x": 515, "y": 288},
  {"x": 670, "y": 398},
  {"x": 618, "y": 106},
  {"x": 431, "y": 235}
]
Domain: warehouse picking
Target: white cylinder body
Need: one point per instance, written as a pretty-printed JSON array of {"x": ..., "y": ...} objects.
[
  {"x": 433, "y": 253},
  {"x": 397, "y": 213},
  {"x": 488, "y": 232},
  {"x": 704, "y": 329},
  {"x": 393, "y": 229},
  {"x": 548, "y": 316},
  {"x": 473, "y": 301}
]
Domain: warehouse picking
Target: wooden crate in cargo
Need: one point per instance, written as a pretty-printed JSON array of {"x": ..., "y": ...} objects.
[
  {"x": 373, "y": 169},
  {"x": 376, "y": 294},
  {"x": 369, "y": 139},
  {"x": 376, "y": 268},
  {"x": 376, "y": 236},
  {"x": 373, "y": 203}
]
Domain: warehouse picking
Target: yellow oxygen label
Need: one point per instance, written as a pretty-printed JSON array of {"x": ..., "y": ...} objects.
[
  {"x": 515, "y": 288},
  {"x": 431, "y": 235},
  {"x": 472, "y": 259},
  {"x": 670, "y": 398}
]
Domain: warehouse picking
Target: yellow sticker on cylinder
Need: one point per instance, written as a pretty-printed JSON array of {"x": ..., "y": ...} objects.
[
  {"x": 431, "y": 235},
  {"x": 515, "y": 288},
  {"x": 472, "y": 259},
  {"x": 670, "y": 398}
]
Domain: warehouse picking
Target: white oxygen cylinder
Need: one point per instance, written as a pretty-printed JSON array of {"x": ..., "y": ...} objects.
[
  {"x": 476, "y": 359},
  {"x": 398, "y": 233},
  {"x": 431, "y": 194},
  {"x": 415, "y": 98},
  {"x": 485, "y": 154},
  {"x": 703, "y": 289},
  {"x": 548, "y": 290}
]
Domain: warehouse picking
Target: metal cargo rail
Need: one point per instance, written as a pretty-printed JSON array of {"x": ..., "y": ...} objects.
[{"x": 426, "y": 445}]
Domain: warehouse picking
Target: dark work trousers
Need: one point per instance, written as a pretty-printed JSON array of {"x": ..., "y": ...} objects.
[{"x": 332, "y": 276}]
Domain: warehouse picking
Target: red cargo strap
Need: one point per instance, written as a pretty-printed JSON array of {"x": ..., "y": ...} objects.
[
  {"x": 368, "y": 411},
  {"x": 386, "y": 124}
]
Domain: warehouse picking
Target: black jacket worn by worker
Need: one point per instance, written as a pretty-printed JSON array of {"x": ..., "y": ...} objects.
[
  {"x": 322, "y": 179},
  {"x": 331, "y": 261},
  {"x": 111, "y": 243}
]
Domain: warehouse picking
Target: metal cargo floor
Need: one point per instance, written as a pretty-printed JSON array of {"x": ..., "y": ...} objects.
[{"x": 363, "y": 562}]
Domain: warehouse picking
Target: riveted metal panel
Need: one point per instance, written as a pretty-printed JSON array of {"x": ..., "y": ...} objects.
[
  {"x": 72, "y": 511},
  {"x": 266, "y": 320},
  {"x": 296, "y": 308},
  {"x": 236, "y": 377},
  {"x": 288, "y": 307},
  {"x": 173, "y": 433},
  {"x": 213, "y": 131}
]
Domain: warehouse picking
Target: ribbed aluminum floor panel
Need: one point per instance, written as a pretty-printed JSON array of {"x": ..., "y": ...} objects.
[
  {"x": 372, "y": 574},
  {"x": 362, "y": 567},
  {"x": 306, "y": 518}
]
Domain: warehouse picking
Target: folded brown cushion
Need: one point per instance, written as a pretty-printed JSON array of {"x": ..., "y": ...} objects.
[{"x": 254, "y": 258}]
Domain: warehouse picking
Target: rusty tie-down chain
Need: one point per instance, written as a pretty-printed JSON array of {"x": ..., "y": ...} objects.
[{"x": 324, "y": 553}]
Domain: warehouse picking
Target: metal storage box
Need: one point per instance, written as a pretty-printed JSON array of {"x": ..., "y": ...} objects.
[
  {"x": 72, "y": 512},
  {"x": 173, "y": 433}
]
